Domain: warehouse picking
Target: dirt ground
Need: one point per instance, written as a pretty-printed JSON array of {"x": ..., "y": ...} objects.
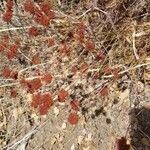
[{"x": 91, "y": 60}]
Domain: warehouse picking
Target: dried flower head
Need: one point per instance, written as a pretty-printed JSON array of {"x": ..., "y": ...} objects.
[
  {"x": 7, "y": 16},
  {"x": 62, "y": 95},
  {"x": 73, "y": 118}
]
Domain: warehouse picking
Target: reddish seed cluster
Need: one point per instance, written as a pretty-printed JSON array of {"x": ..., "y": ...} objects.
[
  {"x": 107, "y": 70},
  {"x": 45, "y": 7},
  {"x": 43, "y": 102},
  {"x": 104, "y": 92},
  {"x": 2, "y": 46},
  {"x": 32, "y": 85},
  {"x": 8, "y": 73},
  {"x": 74, "y": 69},
  {"x": 29, "y": 6},
  {"x": 33, "y": 31},
  {"x": 47, "y": 78},
  {"x": 42, "y": 20},
  {"x": 8, "y": 14},
  {"x": 51, "y": 42},
  {"x": 42, "y": 15},
  {"x": 89, "y": 45},
  {"x": 9, "y": 4},
  {"x": 9, "y": 50},
  {"x": 62, "y": 95},
  {"x": 36, "y": 59},
  {"x": 73, "y": 118},
  {"x": 12, "y": 51},
  {"x": 101, "y": 55},
  {"x": 64, "y": 49},
  {"x": 13, "y": 93},
  {"x": 80, "y": 33}
]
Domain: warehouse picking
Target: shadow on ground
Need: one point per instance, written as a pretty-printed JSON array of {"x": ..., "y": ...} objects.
[{"x": 140, "y": 129}]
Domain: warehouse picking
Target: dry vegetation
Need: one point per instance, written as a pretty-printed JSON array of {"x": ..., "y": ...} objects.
[{"x": 75, "y": 75}]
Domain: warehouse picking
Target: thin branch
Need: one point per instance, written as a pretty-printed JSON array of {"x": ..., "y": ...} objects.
[
  {"x": 14, "y": 28},
  {"x": 133, "y": 42},
  {"x": 127, "y": 70},
  {"x": 9, "y": 85}
]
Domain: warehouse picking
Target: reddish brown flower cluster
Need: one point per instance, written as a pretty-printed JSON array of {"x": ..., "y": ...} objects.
[
  {"x": 13, "y": 93},
  {"x": 73, "y": 118},
  {"x": 42, "y": 15},
  {"x": 4, "y": 42},
  {"x": 36, "y": 59},
  {"x": 62, "y": 95},
  {"x": 43, "y": 102},
  {"x": 2, "y": 46},
  {"x": 104, "y": 91},
  {"x": 64, "y": 49},
  {"x": 89, "y": 45},
  {"x": 107, "y": 70},
  {"x": 101, "y": 55},
  {"x": 29, "y": 6},
  {"x": 8, "y": 73},
  {"x": 80, "y": 33},
  {"x": 8, "y": 14},
  {"x": 74, "y": 69},
  {"x": 47, "y": 78},
  {"x": 12, "y": 51},
  {"x": 9, "y": 50},
  {"x": 36, "y": 83},
  {"x": 33, "y": 31},
  {"x": 51, "y": 42},
  {"x": 32, "y": 85},
  {"x": 46, "y": 8}
]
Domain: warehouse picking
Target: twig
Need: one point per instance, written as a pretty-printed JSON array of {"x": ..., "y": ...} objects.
[
  {"x": 134, "y": 47},
  {"x": 14, "y": 28},
  {"x": 84, "y": 13},
  {"x": 9, "y": 85},
  {"x": 129, "y": 69},
  {"x": 24, "y": 139},
  {"x": 25, "y": 56},
  {"x": 107, "y": 15},
  {"x": 33, "y": 66}
]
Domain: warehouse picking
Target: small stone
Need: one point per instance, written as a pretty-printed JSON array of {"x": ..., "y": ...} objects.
[
  {"x": 72, "y": 147},
  {"x": 108, "y": 121},
  {"x": 56, "y": 111},
  {"x": 63, "y": 126},
  {"x": 80, "y": 139}
]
